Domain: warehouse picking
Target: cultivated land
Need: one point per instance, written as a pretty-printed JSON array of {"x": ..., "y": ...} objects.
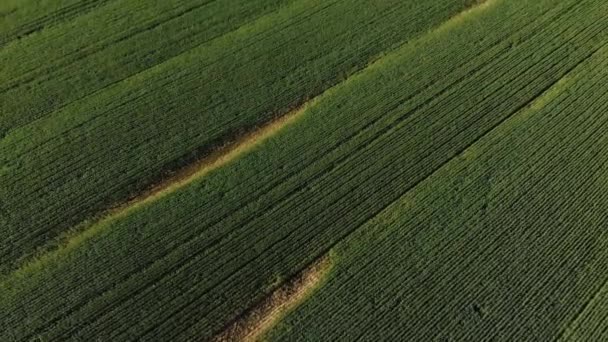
[
  {"x": 303, "y": 170},
  {"x": 157, "y": 105}
]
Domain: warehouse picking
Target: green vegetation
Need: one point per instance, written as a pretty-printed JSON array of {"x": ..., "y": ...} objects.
[
  {"x": 20, "y": 18},
  {"x": 591, "y": 323},
  {"x": 498, "y": 244},
  {"x": 157, "y": 103},
  {"x": 453, "y": 162}
]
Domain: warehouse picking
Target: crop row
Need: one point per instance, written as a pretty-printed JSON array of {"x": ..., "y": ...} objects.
[
  {"x": 21, "y": 18},
  {"x": 463, "y": 259},
  {"x": 591, "y": 324},
  {"x": 297, "y": 202},
  {"x": 419, "y": 214},
  {"x": 99, "y": 150},
  {"x": 80, "y": 57},
  {"x": 204, "y": 254},
  {"x": 502, "y": 257}
]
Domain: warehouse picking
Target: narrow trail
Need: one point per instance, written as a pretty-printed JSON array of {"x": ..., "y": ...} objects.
[
  {"x": 220, "y": 157},
  {"x": 181, "y": 178},
  {"x": 259, "y": 319}
]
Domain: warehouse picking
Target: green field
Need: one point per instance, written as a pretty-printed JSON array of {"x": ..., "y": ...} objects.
[{"x": 169, "y": 170}]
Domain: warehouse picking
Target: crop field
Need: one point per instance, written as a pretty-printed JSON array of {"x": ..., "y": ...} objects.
[{"x": 304, "y": 170}]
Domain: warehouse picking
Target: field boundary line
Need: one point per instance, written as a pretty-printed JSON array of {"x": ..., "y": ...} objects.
[
  {"x": 254, "y": 22},
  {"x": 260, "y": 318},
  {"x": 546, "y": 95},
  {"x": 216, "y": 159},
  {"x": 25, "y": 78},
  {"x": 418, "y": 38},
  {"x": 236, "y": 31},
  {"x": 537, "y": 102},
  {"x": 219, "y": 157}
]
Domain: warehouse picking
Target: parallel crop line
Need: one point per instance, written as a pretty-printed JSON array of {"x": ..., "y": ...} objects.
[
  {"x": 40, "y": 234},
  {"x": 98, "y": 49},
  {"x": 582, "y": 315},
  {"x": 571, "y": 104},
  {"x": 602, "y": 331},
  {"x": 555, "y": 289},
  {"x": 310, "y": 102},
  {"x": 262, "y": 253},
  {"x": 184, "y": 177},
  {"x": 558, "y": 81},
  {"x": 63, "y": 14},
  {"x": 150, "y": 93},
  {"x": 427, "y": 214},
  {"x": 263, "y": 315},
  {"x": 447, "y": 280},
  {"x": 91, "y": 50},
  {"x": 548, "y": 287},
  {"x": 546, "y": 235},
  {"x": 471, "y": 206},
  {"x": 172, "y": 272},
  {"x": 285, "y": 237}
]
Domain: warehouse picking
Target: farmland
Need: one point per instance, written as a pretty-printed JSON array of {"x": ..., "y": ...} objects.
[
  {"x": 152, "y": 121},
  {"x": 168, "y": 170}
]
